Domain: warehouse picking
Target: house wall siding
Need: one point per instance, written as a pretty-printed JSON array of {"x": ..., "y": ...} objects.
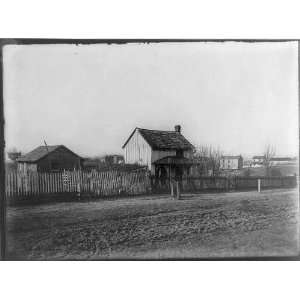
[
  {"x": 231, "y": 163},
  {"x": 138, "y": 151},
  {"x": 27, "y": 167},
  {"x": 60, "y": 159}
]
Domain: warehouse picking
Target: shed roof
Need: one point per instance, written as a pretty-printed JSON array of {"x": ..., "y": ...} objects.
[
  {"x": 281, "y": 159},
  {"x": 40, "y": 152},
  {"x": 163, "y": 140}
]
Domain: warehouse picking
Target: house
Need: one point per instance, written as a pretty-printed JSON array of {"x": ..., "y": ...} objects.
[
  {"x": 106, "y": 162},
  {"x": 113, "y": 159},
  {"x": 230, "y": 162},
  {"x": 49, "y": 159},
  {"x": 282, "y": 160},
  {"x": 257, "y": 161},
  {"x": 157, "y": 149}
]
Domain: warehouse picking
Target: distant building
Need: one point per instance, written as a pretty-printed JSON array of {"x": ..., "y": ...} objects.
[
  {"x": 258, "y": 159},
  {"x": 230, "y": 162},
  {"x": 157, "y": 149},
  {"x": 111, "y": 159},
  {"x": 114, "y": 159},
  {"x": 282, "y": 160},
  {"x": 49, "y": 159},
  {"x": 13, "y": 155}
]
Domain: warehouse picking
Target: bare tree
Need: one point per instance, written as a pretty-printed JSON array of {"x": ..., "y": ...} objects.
[
  {"x": 201, "y": 155},
  {"x": 269, "y": 153},
  {"x": 209, "y": 159}
]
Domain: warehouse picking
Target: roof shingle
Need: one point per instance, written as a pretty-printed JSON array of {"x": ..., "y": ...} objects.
[{"x": 164, "y": 140}]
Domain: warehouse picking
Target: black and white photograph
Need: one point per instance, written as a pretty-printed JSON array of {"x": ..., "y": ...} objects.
[{"x": 151, "y": 149}]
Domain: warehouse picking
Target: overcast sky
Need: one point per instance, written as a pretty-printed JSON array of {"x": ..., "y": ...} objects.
[{"x": 238, "y": 96}]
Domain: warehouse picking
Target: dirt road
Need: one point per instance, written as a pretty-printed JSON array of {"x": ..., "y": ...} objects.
[{"x": 153, "y": 227}]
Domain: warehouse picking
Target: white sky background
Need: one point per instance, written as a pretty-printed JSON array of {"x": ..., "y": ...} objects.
[{"x": 238, "y": 96}]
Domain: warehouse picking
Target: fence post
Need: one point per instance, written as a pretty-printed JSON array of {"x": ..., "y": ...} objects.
[
  {"x": 78, "y": 178},
  {"x": 177, "y": 190},
  {"x": 258, "y": 185},
  {"x": 172, "y": 188}
]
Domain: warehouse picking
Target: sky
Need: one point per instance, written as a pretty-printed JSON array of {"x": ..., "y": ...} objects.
[{"x": 233, "y": 95}]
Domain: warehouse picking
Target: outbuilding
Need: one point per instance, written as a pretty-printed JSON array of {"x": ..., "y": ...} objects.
[{"x": 49, "y": 159}]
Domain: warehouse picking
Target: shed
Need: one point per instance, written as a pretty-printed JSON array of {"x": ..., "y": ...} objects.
[{"x": 49, "y": 159}]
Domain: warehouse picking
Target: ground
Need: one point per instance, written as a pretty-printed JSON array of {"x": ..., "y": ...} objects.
[{"x": 157, "y": 227}]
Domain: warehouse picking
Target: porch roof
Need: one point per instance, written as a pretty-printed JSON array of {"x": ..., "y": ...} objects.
[{"x": 175, "y": 160}]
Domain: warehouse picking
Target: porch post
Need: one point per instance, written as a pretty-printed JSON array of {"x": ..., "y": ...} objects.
[
  {"x": 172, "y": 188},
  {"x": 177, "y": 190},
  {"x": 171, "y": 182}
]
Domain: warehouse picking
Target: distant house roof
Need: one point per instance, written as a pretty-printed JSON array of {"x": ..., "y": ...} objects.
[
  {"x": 258, "y": 157},
  {"x": 281, "y": 159},
  {"x": 40, "y": 152},
  {"x": 231, "y": 156},
  {"x": 163, "y": 140}
]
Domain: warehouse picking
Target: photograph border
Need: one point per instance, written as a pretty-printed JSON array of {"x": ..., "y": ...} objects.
[{"x": 43, "y": 41}]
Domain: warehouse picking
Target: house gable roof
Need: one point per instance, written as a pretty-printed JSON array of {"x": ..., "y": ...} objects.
[
  {"x": 281, "y": 159},
  {"x": 163, "y": 140},
  {"x": 41, "y": 152}
]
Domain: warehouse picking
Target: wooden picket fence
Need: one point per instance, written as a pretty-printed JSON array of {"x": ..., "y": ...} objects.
[
  {"x": 117, "y": 183},
  {"x": 107, "y": 183},
  {"x": 221, "y": 183},
  {"x": 237, "y": 183}
]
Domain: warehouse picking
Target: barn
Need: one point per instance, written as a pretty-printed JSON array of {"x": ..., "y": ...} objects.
[
  {"x": 49, "y": 159},
  {"x": 158, "y": 150}
]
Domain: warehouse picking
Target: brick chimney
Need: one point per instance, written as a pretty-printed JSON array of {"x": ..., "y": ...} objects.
[{"x": 178, "y": 128}]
